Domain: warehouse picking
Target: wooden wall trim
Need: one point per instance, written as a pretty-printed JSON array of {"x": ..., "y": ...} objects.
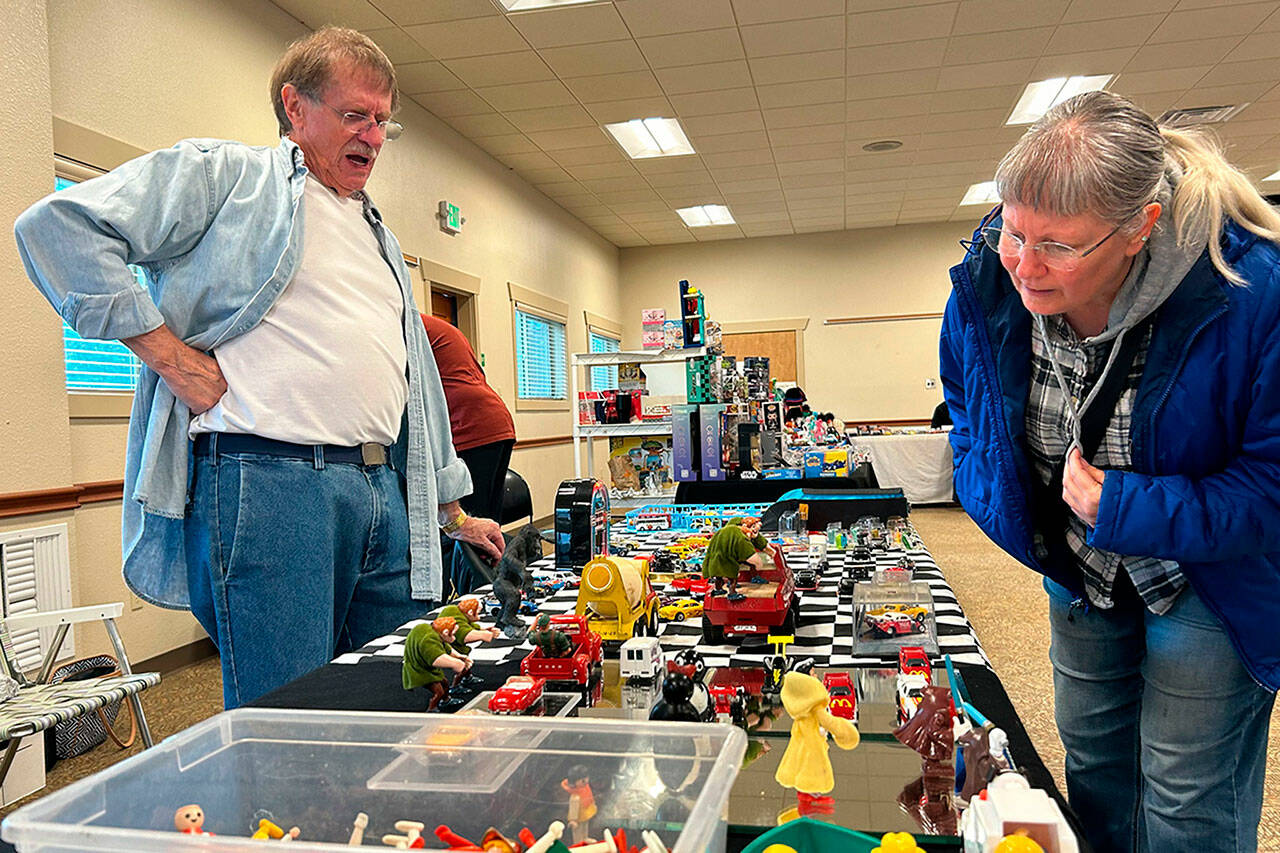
[
  {"x": 879, "y": 318},
  {"x": 56, "y": 500},
  {"x": 545, "y": 441}
]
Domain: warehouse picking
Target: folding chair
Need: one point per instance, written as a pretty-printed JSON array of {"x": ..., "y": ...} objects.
[{"x": 40, "y": 705}]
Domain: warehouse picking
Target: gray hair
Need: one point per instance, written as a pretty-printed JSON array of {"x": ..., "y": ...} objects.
[
  {"x": 1101, "y": 154},
  {"x": 309, "y": 64}
]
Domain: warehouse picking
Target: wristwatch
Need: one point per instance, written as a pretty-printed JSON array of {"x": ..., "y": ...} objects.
[{"x": 456, "y": 524}]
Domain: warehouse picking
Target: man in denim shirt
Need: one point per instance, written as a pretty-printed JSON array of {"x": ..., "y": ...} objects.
[{"x": 289, "y": 458}]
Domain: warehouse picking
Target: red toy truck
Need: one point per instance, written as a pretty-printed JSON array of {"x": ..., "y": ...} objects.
[
  {"x": 765, "y": 610},
  {"x": 518, "y": 695},
  {"x": 577, "y": 666}
]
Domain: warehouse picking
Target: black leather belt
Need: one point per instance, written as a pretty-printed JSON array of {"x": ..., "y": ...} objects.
[{"x": 208, "y": 444}]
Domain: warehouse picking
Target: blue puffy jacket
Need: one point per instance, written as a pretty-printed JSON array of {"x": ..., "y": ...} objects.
[{"x": 1205, "y": 433}]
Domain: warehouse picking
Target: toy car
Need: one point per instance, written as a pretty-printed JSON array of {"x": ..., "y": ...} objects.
[
  {"x": 913, "y": 659},
  {"x": 518, "y": 695},
  {"x": 681, "y": 609},
  {"x": 730, "y": 702},
  {"x": 765, "y": 609},
  {"x": 860, "y": 553},
  {"x": 846, "y": 585},
  {"x": 806, "y": 579},
  {"x": 911, "y": 687},
  {"x": 528, "y": 607},
  {"x": 640, "y": 658},
  {"x": 692, "y": 584},
  {"x": 844, "y": 699},
  {"x": 918, "y": 612},
  {"x": 665, "y": 562},
  {"x": 587, "y": 652},
  {"x": 890, "y": 624}
]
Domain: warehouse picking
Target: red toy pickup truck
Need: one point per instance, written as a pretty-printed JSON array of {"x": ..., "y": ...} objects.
[
  {"x": 765, "y": 610},
  {"x": 576, "y": 666}
]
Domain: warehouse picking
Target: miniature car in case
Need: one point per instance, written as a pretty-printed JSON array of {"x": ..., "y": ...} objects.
[
  {"x": 891, "y": 624},
  {"x": 518, "y": 695},
  {"x": 587, "y": 652}
]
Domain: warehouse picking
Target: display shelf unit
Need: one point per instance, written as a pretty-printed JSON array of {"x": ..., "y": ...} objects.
[{"x": 588, "y": 432}]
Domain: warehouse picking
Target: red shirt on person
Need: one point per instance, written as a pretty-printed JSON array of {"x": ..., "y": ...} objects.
[{"x": 477, "y": 414}]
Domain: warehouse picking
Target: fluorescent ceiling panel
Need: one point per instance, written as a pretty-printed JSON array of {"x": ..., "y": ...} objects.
[
  {"x": 702, "y": 215},
  {"x": 522, "y": 5},
  {"x": 983, "y": 193},
  {"x": 650, "y": 137},
  {"x": 1038, "y": 98},
  {"x": 1274, "y": 176}
]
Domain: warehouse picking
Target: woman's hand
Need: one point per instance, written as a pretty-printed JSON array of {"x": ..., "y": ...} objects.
[{"x": 1082, "y": 487}]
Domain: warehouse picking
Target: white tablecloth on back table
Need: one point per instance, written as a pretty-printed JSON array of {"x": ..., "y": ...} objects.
[{"x": 918, "y": 463}]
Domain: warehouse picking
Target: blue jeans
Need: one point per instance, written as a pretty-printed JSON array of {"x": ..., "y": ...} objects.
[
  {"x": 294, "y": 561},
  {"x": 1165, "y": 731}
]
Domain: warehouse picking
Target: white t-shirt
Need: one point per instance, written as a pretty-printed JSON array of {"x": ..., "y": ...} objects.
[{"x": 327, "y": 363}]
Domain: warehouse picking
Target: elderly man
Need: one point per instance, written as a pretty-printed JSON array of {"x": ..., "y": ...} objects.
[{"x": 289, "y": 459}]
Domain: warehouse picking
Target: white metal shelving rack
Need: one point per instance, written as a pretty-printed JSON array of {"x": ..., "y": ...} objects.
[{"x": 598, "y": 359}]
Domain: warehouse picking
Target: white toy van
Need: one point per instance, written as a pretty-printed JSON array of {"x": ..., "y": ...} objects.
[{"x": 641, "y": 658}]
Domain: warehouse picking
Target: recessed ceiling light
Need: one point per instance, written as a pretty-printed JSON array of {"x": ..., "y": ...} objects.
[
  {"x": 706, "y": 214},
  {"x": 521, "y": 5},
  {"x": 650, "y": 137},
  {"x": 882, "y": 145},
  {"x": 1274, "y": 176},
  {"x": 983, "y": 193},
  {"x": 1038, "y": 98}
]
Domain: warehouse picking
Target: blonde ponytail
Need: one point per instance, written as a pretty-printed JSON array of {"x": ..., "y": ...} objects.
[{"x": 1209, "y": 189}]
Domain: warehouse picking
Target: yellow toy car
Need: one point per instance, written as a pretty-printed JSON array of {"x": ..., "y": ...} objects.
[
  {"x": 680, "y": 610},
  {"x": 915, "y": 611}
]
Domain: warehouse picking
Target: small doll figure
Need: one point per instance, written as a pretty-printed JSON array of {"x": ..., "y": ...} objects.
[
  {"x": 676, "y": 702},
  {"x": 931, "y": 798},
  {"x": 736, "y": 545},
  {"x": 427, "y": 651},
  {"x": 190, "y": 819},
  {"x": 466, "y": 612},
  {"x": 553, "y": 643},
  {"x": 582, "y": 803},
  {"x": 805, "y": 765}
]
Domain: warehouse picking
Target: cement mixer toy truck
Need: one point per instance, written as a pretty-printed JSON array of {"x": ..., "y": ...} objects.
[{"x": 617, "y": 599}]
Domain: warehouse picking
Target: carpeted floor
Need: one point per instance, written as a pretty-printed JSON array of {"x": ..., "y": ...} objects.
[{"x": 1003, "y": 600}]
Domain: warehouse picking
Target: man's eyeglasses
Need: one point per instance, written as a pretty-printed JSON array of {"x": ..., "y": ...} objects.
[
  {"x": 1055, "y": 256},
  {"x": 357, "y": 123}
]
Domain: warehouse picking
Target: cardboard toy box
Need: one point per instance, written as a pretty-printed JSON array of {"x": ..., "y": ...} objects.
[
  {"x": 657, "y": 407},
  {"x": 826, "y": 463},
  {"x": 587, "y": 407},
  {"x": 686, "y": 455}
]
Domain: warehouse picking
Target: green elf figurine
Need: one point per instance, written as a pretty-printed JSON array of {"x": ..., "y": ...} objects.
[{"x": 736, "y": 545}]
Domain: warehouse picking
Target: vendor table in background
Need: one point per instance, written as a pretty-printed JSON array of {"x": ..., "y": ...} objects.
[{"x": 918, "y": 463}]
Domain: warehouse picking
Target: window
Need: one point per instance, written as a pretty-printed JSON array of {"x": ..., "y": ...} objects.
[
  {"x": 98, "y": 365},
  {"x": 540, "y": 371},
  {"x": 604, "y": 376}
]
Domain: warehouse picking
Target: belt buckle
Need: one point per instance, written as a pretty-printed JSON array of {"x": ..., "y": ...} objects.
[{"x": 373, "y": 454}]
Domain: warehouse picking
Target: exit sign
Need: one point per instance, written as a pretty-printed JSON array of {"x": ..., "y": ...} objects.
[{"x": 451, "y": 220}]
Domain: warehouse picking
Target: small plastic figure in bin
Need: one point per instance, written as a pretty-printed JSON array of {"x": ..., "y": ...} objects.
[
  {"x": 427, "y": 651},
  {"x": 805, "y": 765},
  {"x": 190, "y": 819},
  {"x": 553, "y": 643},
  {"x": 582, "y": 803},
  {"x": 735, "y": 546}
]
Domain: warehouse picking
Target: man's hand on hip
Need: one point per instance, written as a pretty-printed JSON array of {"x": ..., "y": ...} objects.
[{"x": 194, "y": 377}]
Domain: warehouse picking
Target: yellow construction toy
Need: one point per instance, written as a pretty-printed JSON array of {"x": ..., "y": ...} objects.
[{"x": 617, "y": 599}]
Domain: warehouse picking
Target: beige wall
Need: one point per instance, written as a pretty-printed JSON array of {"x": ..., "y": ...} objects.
[
  {"x": 861, "y": 372},
  {"x": 201, "y": 69}
]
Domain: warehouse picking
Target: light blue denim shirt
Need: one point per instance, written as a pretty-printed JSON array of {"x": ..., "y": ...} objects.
[{"x": 217, "y": 226}]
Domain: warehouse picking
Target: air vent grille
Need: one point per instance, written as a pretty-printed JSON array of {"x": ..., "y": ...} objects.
[{"x": 1199, "y": 115}]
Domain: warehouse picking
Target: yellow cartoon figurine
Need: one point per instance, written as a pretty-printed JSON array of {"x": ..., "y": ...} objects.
[{"x": 805, "y": 765}]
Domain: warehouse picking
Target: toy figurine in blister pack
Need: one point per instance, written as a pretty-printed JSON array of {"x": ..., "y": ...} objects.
[{"x": 806, "y": 766}]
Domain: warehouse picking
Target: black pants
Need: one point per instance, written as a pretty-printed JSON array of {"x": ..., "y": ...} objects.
[{"x": 488, "y": 465}]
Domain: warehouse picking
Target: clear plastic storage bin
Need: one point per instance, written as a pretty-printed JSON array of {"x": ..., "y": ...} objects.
[{"x": 318, "y": 769}]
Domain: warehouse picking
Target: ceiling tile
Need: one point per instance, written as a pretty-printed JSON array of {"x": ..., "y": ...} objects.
[
  {"x": 746, "y": 173},
  {"x": 615, "y": 87},
  {"x": 597, "y": 171},
  {"x": 974, "y": 99},
  {"x": 877, "y": 108},
  {"x": 981, "y": 47},
  {"x": 500, "y": 69},
  {"x": 1138, "y": 82},
  {"x": 705, "y": 78},
  {"x": 889, "y": 128},
  {"x": 785, "y": 37},
  {"x": 1207, "y": 51},
  {"x": 1236, "y": 94},
  {"x": 580, "y": 138},
  {"x": 717, "y": 232},
  {"x": 1208, "y": 23},
  {"x": 1087, "y": 62},
  {"x": 528, "y": 160},
  {"x": 900, "y": 56},
  {"x": 755, "y": 197},
  {"x": 801, "y": 94},
  {"x": 481, "y": 124},
  {"x": 550, "y": 118},
  {"x": 759, "y": 156},
  {"x": 469, "y": 37},
  {"x": 700, "y": 178},
  {"x": 919, "y": 81},
  {"x": 1005, "y": 136},
  {"x": 636, "y": 212},
  {"x": 1227, "y": 73},
  {"x": 1256, "y": 46},
  {"x": 414, "y": 78},
  {"x": 564, "y": 25},
  {"x": 709, "y": 103},
  {"x": 801, "y": 116},
  {"x": 767, "y": 230},
  {"x": 740, "y": 122},
  {"x": 692, "y": 48},
  {"x": 593, "y": 154},
  {"x": 545, "y": 93},
  {"x": 398, "y": 47},
  {"x": 1102, "y": 35},
  {"x": 608, "y": 112},
  {"x": 954, "y": 77},
  {"x": 359, "y": 14},
  {"x": 614, "y": 183},
  {"x": 583, "y": 60},
  {"x": 1097, "y": 10},
  {"x": 811, "y": 167},
  {"x": 1271, "y": 24},
  {"x": 668, "y": 165},
  {"x": 818, "y": 185},
  {"x": 406, "y": 12},
  {"x": 944, "y": 122},
  {"x": 806, "y": 135},
  {"x": 549, "y": 175},
  {"x": 462, "y": 102},
  {"x": 678, "y": 198},
  {"x": 819, "y": 151},
  {"x": 891, "y": 25},
  {"x": 766, "y": 11},
  {"x": 565, "y": 190},
  {"x": 507, "y": 143},
  {"x": 730, "y": 142},
  {"x": 989, "y": 16},
  {"x": 794, "y": 67},
  {"x": 662, "y": 17},
  {"x": 752, "y": 186}
]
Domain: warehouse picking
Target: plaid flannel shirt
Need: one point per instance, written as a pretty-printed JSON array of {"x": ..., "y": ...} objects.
[{"x": 1049, "y": 435}]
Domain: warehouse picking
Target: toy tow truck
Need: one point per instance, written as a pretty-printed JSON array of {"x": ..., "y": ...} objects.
[
  {"x": 587, "y": 652},
  {"x": 766, "y": 609}
]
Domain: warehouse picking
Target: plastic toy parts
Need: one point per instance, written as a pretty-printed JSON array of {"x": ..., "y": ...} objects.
[{"x": 1012, "y": 817}]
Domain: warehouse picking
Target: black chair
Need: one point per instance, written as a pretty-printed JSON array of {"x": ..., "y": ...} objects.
[{"x": 517, "y": 503}]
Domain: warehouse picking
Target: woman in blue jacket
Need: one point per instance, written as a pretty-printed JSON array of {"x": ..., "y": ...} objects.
[{"x": 1111, "y": 359}]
